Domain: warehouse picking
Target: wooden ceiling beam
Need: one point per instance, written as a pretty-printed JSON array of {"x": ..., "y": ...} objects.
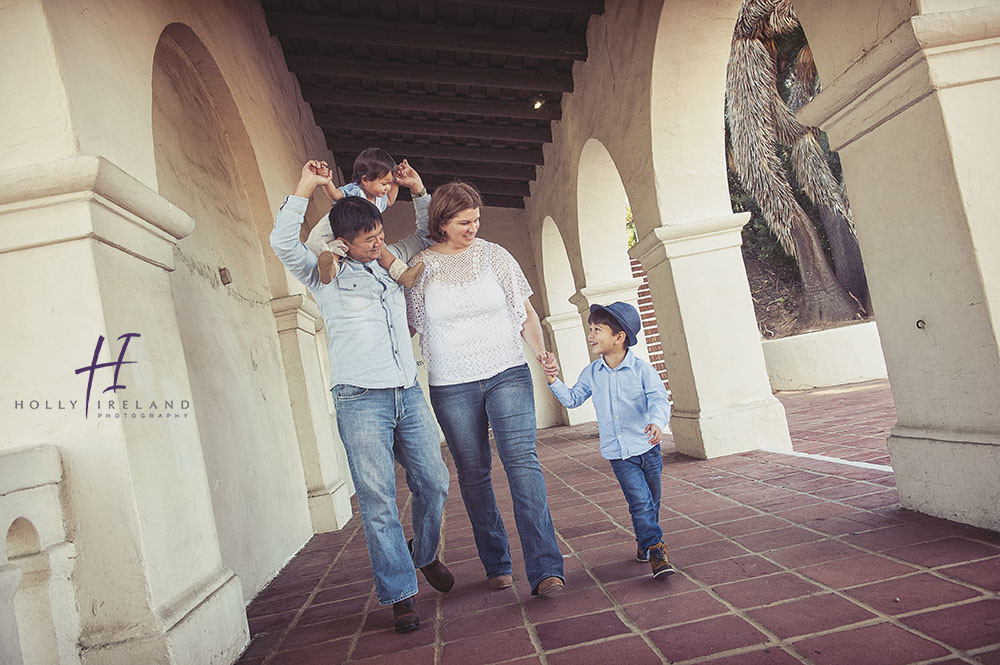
[
  {"x": 400, "y": 150},
  {"x": 508, "y": 188},
  {"x": 332, "y": 122},
  {"x": 491, "y": 77},
  {"x": 318, "y": 27},
  {"x": 565, "y": 6},
  {"x": 445, "y": 170},
  {"x": 489, "y": 200},
  {"x": 477, "y": 106}
]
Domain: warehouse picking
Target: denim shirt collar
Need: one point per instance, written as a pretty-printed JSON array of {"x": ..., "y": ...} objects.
[{"x": 627, "y": 361}]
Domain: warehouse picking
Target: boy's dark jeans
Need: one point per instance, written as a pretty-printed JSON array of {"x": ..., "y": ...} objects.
[{"x": 639, "y": 477}]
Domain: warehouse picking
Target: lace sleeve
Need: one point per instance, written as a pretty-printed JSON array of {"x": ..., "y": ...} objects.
[
  {"x": 415, "y": 313},
  {"x": 512, "y": 280}
]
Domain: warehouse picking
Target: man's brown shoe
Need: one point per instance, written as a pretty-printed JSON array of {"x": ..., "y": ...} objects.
[
  {"x": 406, "y": 617},
  {"x": 548, "y": 586},
  {"x": 436, "y": 572},
  {"x": 501, "y": 582},
  {"x": 439, "y": 576}
]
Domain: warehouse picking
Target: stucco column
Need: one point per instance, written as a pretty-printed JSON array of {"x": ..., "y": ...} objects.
[
  {"x": 297, "y": 318},
  {"x": 569, "y": 343},
  {"x": 604, "y": 294},
  {"x": 87, "y": 250},
  {"x": 914, "y": 117},
  {"x": 10, "y": 642},
  {"x": 722, "y": 399}
]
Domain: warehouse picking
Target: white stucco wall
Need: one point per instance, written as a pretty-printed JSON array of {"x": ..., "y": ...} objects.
[{"x": 849, "y": 354}]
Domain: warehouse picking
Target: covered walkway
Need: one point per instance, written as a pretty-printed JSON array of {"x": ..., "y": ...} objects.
[{"x": 782, "y": 559}]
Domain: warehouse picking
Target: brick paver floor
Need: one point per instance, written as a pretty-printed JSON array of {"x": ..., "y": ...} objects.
[{"x": 781, "y": 560}]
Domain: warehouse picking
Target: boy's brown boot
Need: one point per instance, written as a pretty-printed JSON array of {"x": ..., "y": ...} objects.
[
  {"x": 410, "y": 276},
  {"x": 326, "y": 265},
  {"x": 658, "y": 560}
]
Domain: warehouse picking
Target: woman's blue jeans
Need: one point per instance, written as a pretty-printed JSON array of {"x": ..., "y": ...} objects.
[
  {"x": 378, "y": 426},
  {"x": 639, "y": 477},
  {"x": 506, "y": 403}
]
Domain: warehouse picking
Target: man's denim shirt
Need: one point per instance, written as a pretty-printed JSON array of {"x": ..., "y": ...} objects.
[
  {"x": 626, "y": 398},
  {"x": 364, "y": 309}
]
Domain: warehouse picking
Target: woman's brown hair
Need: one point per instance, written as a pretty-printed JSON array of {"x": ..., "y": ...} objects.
[{"x": 447, "y": 201}]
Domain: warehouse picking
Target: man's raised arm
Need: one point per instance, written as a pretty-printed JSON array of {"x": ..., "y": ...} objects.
[
  {"x": 409, "y": 246},
  {"x": 285, "y": 236}
]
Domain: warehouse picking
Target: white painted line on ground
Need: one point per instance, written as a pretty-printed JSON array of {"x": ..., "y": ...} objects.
[{"x": 824, "y": 458}]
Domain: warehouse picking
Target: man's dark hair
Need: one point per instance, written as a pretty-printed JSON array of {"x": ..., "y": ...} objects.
[
  {"x": 372, "y": 163},
  {"x": 601, "y": 317},
  {"x": 352, "y": 216}
]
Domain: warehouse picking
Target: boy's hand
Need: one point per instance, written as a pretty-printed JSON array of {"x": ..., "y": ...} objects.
[
  {"x": 408, "y": 177},
  {"x": 550, "y": 365},
  {"x": 314, "y": 174},
  {"x": 655, "y": 435}
]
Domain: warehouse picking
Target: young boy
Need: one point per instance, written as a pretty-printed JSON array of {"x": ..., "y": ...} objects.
[
  {"x": 374, "y": 179},
  {"x": 632, "y": 412}
]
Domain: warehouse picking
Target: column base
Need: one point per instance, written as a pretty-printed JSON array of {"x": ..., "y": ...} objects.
[
  {"x": 330, "y": 508},
  {"x": 955, "y": 480},
  {"x": 754, "y": 426},
  {"x": 213, "y": 632}
]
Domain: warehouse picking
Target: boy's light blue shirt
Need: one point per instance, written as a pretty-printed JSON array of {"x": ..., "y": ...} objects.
[
  {"x": 626, "y": 398},
  {"x": 363, "y": 308},
  {"x": 354, "y": 189}
]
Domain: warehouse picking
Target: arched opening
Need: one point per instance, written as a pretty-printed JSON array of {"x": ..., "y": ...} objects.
[
  {"x": 205, "y": 165},
  {"x": 557, "y": 275},
  {"x": 601, "y": 208},
  {"x": 32, "y": 607}
]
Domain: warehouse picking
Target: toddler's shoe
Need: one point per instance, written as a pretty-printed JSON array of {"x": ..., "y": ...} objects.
[
  {"x": 641, "y": 555},
  {"x": 406, "y": 276},
  {"x": 327, "y": 266},
  {"x": 658, "y": 560}
]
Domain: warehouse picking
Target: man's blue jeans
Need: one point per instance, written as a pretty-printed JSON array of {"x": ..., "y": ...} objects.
[
  {"x": 639, "y": 477},
  {"x": 377, "y": 426},
  {"x": 506, "y": 403}
]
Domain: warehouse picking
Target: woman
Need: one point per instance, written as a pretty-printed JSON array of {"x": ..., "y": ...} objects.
[{"x": 471, "y": 309}]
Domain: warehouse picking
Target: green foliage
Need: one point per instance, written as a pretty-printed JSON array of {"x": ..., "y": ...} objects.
[{"x": 630, "y": 233}]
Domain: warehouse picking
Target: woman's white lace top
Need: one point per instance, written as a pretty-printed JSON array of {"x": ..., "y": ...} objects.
[{"x": 469, "y": 309}]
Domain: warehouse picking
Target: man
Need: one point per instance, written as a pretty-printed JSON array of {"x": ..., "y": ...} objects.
[{"x": 381, "y": 412}]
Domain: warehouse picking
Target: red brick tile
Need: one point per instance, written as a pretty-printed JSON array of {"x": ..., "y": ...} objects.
[
  {"x": 908, "y": 594},
  {"x": 618, "y": 537},
  {"x": 328, "y": 611},
  {"x": 810, "y": 615},
  {"x": 765, "y": 590},
  {"x": 312, "y": 633},
  {"x": 778, "y": 538},
  {"x": 941, "y": 552},
  {"x": 492, "y": 620},
  {"x": 982, "y": 573},
  {"x": 671, "y": 610},
  {"x": 705, "y": 553},
  {"x": 275, "y": 606},
  {"x": 811, "y": 515},
  {"x": 326, "y": 653},
  {"x": 648, "y": 588},
  {"x": 703, "y": 638},
  {"x": 989, "y": 658},
  {"x": 576, "y": 630},
  {"x": 732, "y": 570},
  {"x": 969, "y": 626},
  {"x": 725, "y": 515},
  {"x": 261, "y": 645},
  {"x": 881, "y": 644},
  {"x": 856, "y": 570},
  {"x": 899, "y": 536},
  {"x": 690, "y": 537},
  {"x": 491, "y": 648},
  {"x": 621, "y": 570},
  {"x": 577, "y": 530},
  {"x": 355, "y": 590},
  {"x": 271, "y": 622},
  {"x": 808, "y": 554},
  {"x": 566, "y": 604},
  {"x": 750, "y": 525},
  {"x": 476, "y": 596},
  {"x": 766, "y": 656},
  {"x": 631, "y": 650},
  {"x": 418, "y": 656}
]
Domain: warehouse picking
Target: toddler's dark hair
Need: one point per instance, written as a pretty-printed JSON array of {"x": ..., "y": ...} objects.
[
  {"x": 372, "y": 163},
  {"x": 602, "y": 317}
]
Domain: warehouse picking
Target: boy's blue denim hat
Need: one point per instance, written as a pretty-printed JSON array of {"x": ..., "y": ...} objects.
[{"x": 626, "y": 315}]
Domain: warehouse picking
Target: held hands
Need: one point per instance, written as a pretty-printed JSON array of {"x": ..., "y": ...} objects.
[
  {"x": 314, "y": 174},
  {"x": 408, "y": 177},
  {"x": 548, "y": 361},
  {"x": 655, "y": 434}
]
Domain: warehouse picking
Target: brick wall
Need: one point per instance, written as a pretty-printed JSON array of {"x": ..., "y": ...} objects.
[{"x": 649, "y": 327}]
